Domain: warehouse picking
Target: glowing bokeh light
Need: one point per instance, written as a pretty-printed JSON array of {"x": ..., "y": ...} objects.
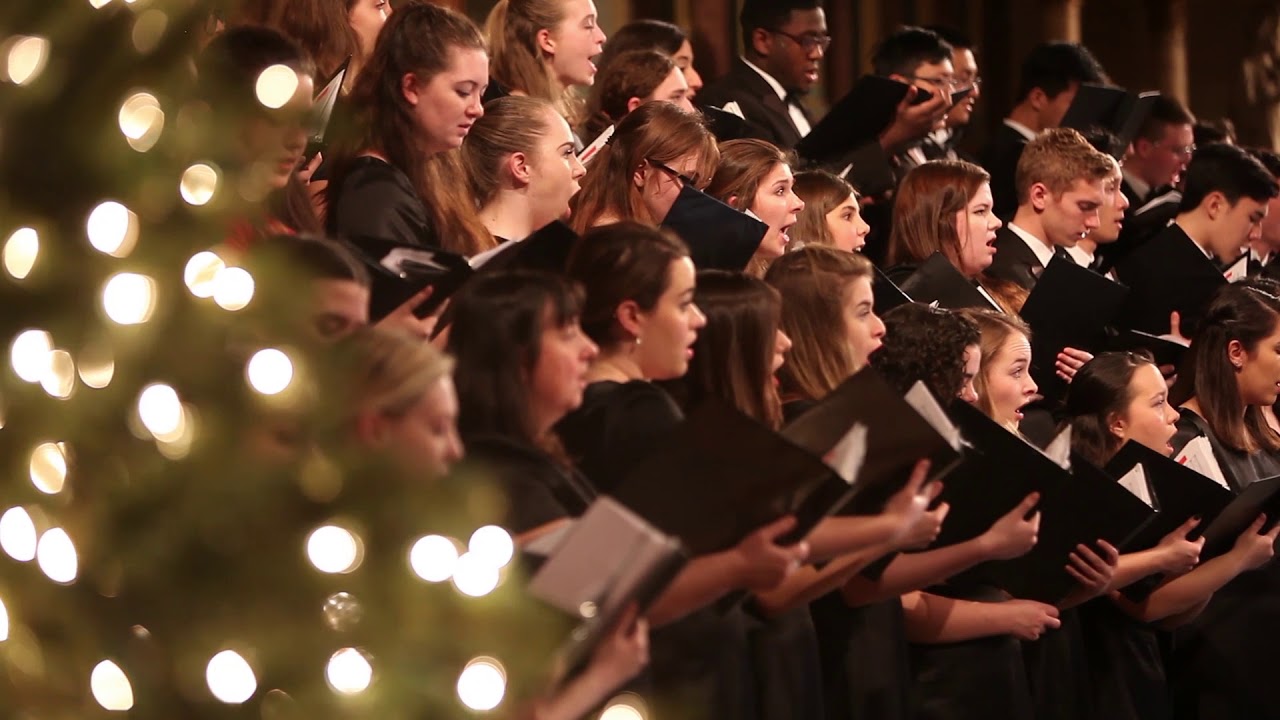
[
  {"x": 349, "y": 671},
  {"x": 233, "y": 289},
  {"x": 141, "y": 120},
  {"x": 21, "y": 251},
  {"x": 25, "y": 59},
  {"x": 56, "y": 556},
  {"x": 475, "y": 576},
  {"x": 129, "y": 298},
  {"x": 161, "y": 411},
  {"x": 482, "y": 684},
  {"x": 332, "y": 549},
  {"x": 276, "y": 86},
  {"x": 113, "y": 229},
  {"x": 493, "y": 545},
  {"x": 18, "y": 536},
  {"x": 270, "y": 371},
  {"x": 230, "y": 678},
  {"x": 111, "y": 687},
  {"x": 201, "y": 273},
  {"x": 433, "y": 558},
  {"x": 30, "y": 355},
  {"x": 60, "y": 379},
  {"x": 48, "y": 468},
  {"x": 199, "y": 183}
]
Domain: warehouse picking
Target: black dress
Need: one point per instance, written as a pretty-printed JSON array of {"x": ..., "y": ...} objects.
[
  {"x": 700, "y": 666},
  {"x": 538, "y": 490},
  {"x": 866, "y": 671},
  {"x": 377, "y": 200},
  {"x": 976, "y": 679},
  {"x": 1126, "y": 664},
  {"x": 1058, "y": 671},
  {"x": 1223, "y": 664}
]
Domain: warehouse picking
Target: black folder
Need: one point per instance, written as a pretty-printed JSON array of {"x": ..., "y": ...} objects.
[
  {"x": 1071, "y": 306},
  {"x": 886, "y": 293},
  {"x": 720, "y": 475},
  {"x": 547, "y": 250},
  {"x": 1168, "y": 272},
  {"x": 725, "y": 125},
  {"x": 857, "y": 118},
  {"x": 1165, "y": 352},
  {"x": 719, "y": 237},
  {"x": 1120, "y": 112},
  {"x": 607, "y": 561},
  {"x": 938, "y": 281},
  {"x": 1077, "y": 507},
  {"x": 1260, "y": 496},
  {"x": 399, "y": 271},
  {"x": 897, "y": 436}
]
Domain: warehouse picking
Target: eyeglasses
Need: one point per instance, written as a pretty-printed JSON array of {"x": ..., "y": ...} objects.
[
  {"x": 684, "y": 179},
  {"x": 808, "y": 41},
  {"x": 976, "y": 82},
  {"x": 943, "y": 83},
  {"x": 1180, "y": 150}
]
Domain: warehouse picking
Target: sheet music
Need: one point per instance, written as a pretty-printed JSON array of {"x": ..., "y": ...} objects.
[
  {"x": 1135, "y": 481},
  {"x": 847, "y": 456},
  {"x": 926, "y": 405},
  {"x": 596, "y": 145},
  {"x": 1238, "y": 271},
  {"x": 1198, "y": 455}
]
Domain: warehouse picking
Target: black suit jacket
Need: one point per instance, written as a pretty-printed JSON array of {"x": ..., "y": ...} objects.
[
  {"x": 1000, "y": 158},
  {"x": 1015, "y": 262},
  {"x": 1167, "y": 273},
  {"x": 767, "y": 115}
]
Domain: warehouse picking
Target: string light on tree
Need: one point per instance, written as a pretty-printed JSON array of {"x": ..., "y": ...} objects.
[
  {"x": 111, "y": 688},
  {"x": 97, "y": 366},
  {"x": 141, "y": 121},
  {"x": 18, "y": 536},
  {"x": 199, "y": 183},
  {"x": 30, "y": 353},
  {"x": 482, "y": 684},
  {"x": 60, "y": 380},
  {"x": 475, "y": 576},
  {"x": 230, "y": 678},
  {"x": 113, "y": 229},
  {"x": 492, "y": 545},
  {"x": 433, "y": 558},
  {"x": 334, "y": 550},
  {"x": 4, "y": 622},
  {"x": 129, "y": 298},
  {"x": 20, "y": 252},
  {"x": 233, "y": 289},
  {"x": 270, "y": 371},
  {"x": 56, "y": 556},
  {"x": 201, "y": 273},
  {"x": 25, "y": 58},
  {"x": 161, "y": 412},
  {"x": 349, "y": 671},
  {"x": 276, "y": 86},
  {"x": 48, "y": 468}
]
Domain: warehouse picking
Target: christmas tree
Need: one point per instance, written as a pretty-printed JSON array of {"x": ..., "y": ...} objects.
[{"x": 157, "y": 559}]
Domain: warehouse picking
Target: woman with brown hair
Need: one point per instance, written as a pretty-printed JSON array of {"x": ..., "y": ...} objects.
[
  {"x": 831, "y": 214},
  {"x": 630, "y": 80},
  {"x": 329, "y": 31},
  {"x": 945, "y": 206},
  {"x": 1118, "y": 398},
  {"x": 655, "y": 150},
  {"x": 827, "y": 311},
  {"x": 755, "y": 176},
  {"x": 521, "y": 165},
  {"x": 543, "y": 49},
  {"x": 649, "y": 34},
  {"x": 413, "y": 104},
  {"x": 1231, "y": 374}
]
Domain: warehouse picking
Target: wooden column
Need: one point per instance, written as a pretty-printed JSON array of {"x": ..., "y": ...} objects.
[
  {"x": 841, "y": 66},
  {"x": 713, "y": 30},
  {"x": 1168, "y": 22},
  {"x": 1062, "y": 20}
]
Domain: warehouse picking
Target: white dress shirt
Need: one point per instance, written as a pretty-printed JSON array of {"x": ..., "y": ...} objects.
[
  {"x": 797, "y": 115},
  {"x": 1044, "y": 253}
]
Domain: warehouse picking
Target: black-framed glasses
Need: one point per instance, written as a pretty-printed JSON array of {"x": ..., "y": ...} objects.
[
  {"x": 945, "y": 84},
  {"x": 808, "y": 41},
  {"x": 684, "y": 179}
]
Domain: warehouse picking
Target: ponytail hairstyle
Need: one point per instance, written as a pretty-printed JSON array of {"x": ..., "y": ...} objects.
[
  {"x": 1245, "y": 313},
  {"x": 656, "y": 130},
  {"x": 512, "y": 124},
  {"x": 518, "y": 63},
  {"x": 1098, "y": 393},
  {"x": 632, "y": 74},
  {"x": 996, "y": 328},
  {"x": 733, "y": 356},
  {"x": 384, "y": 122}
]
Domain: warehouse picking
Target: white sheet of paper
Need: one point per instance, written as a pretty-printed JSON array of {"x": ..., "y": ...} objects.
[
  {"x": 1135, "y": 481},
  {"x": 1198, "y": 455}
]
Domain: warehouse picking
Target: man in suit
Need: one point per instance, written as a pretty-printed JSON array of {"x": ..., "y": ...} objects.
[
  {"x": 1225, "y": 198},
  {"x": 784, "y": 41},
  {"x": 1160, "y": 152},
  {"x": 1264, "y": 252},
  {"x": 1059, "y": 181},
  {"x": 1051, "y": 75},
  {"x": 942, "y": 144}
]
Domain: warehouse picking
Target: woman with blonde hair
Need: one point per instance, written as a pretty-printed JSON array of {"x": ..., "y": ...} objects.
[
  {"x": 831, "y": 214},
  {"x": 521, "y": 166},
  {"x": 543, "y": 49},
  {"x": 654, "y": 152},
  {"x": 755, "y": 176},
  {"x": 630, "y": 80}
]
